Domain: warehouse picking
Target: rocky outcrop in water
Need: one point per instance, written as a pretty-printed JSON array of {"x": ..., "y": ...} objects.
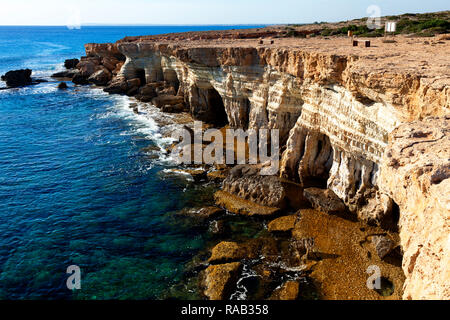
[
  {"x": 17, "y": 78},
  {"x": 20, "y": 78},
  {"x": 101, "y": 63}
]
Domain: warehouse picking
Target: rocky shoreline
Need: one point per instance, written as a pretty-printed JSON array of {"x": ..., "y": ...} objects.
[
  {"x": 293, "y": 253},
  {"x": 364, "y": 137}
]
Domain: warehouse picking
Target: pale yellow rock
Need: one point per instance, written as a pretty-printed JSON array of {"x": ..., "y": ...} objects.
[{"x": 416, "y": 173}]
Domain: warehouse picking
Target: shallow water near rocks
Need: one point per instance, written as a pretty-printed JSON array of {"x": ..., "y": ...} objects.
[{"x": 77, "y": 186}]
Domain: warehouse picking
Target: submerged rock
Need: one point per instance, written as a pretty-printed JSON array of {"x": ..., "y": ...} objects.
[
  {"x": 62, "y": 85},
  {"x": 196, "y": 174},
  {"x": 342, "y": 255},
  {"x": 219, "y": 228},
  {"x": 210, "y": 212},
  {"x": 203, "y": 213}
]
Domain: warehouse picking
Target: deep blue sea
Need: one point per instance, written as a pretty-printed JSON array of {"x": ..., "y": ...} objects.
[{"x": 78, "y": 187}]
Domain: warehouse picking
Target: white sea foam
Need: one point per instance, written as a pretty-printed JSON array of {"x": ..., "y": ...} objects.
[
  {"x": 241, "y": 292},
  {"x": 174, "y": 172},
  {"x": 148, "y": 122},
  {"x": 42, "y": 88}
]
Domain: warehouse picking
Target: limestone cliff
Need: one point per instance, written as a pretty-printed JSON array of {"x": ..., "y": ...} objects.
[
  {"x": 333, "y": 114},
  {"x": 416, "y": 174},
  {"x": 335, "y": 107}
]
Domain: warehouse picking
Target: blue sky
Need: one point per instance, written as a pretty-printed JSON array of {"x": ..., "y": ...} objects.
[{"x": 60, "y": 12}]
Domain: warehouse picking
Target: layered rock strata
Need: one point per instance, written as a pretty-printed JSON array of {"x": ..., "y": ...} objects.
[{"x": 335, "y": 107}]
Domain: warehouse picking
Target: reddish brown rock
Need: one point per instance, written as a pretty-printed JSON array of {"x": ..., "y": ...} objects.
[
  {"x": 117, "y": 85},
  {"x": 165, "y": 100},
  {"x": 226, "y": 252},
  {"x": 147, "y": 92},
  {"x": 283, "y": 224},
  {"x": 69, "y": 74},
  {"x": 110, "y": 63},
  {"x": 100, "y": 77},
  {"x": 103, "y": 50},
  {"x": 238, "y": 205},
  {"x": 88, "y": 66},
  {"x": 219, "y": 280}
]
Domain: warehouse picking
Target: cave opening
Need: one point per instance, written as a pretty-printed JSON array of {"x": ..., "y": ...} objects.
[
  {"x": 140, "y": 73},
  {"x": 320, "y": 161},
  {"x": 391, "y": 220},
  {"x": 171, "y": 77},
  {"x": 217, "y": 113},
  {"x": 246, "y": 111}
]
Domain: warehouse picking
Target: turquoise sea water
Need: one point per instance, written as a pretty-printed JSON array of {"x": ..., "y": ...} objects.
[{"x": 76, "y": 186}]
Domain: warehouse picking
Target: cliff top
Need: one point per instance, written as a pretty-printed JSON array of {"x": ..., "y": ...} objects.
[
  {"x": 419, "y": 48},
  {"x": 427, "y": 58},
  {"x": 422, "y": 25}
]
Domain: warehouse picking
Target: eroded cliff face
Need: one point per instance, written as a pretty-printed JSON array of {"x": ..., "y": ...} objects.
[
  {"x": 416, "y": 174},
  {"x": 335, "y": 115}
]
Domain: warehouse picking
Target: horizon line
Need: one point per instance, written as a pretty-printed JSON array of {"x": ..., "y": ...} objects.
[
  {"x": 147, "y": 25},
  {"x": 95, "y": 24}
]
